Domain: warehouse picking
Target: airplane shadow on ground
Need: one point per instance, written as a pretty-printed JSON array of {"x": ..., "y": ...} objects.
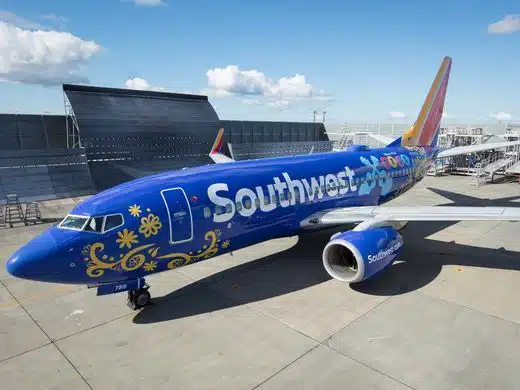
[{"x": 300, "y": 267}]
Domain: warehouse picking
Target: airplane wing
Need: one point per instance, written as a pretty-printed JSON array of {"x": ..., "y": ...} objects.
[
  {"x": 215, "y": 153},
  {"x": 458, "y": 150},
  {"x": 414, "y": 213}
]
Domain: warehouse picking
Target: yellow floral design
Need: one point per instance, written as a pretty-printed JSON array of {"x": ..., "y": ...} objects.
[
  {"x": 126, "y": 238},
  {"x": 150, "y": 266},
  {"x": 181, "y": 259},
  {"x": 86, "y": 250},
  {"x": 135, "y": 210},
  {"x": 150, "y": 225},
  {"x": 147, "y": 256},
  {"x": 131, "y": 261}
]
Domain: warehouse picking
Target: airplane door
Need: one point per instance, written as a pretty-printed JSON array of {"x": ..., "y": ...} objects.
[{"x": 179, "y": 214}]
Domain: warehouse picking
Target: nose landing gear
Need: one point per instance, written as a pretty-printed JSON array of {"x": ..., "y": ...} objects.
[
  {"x": 137, "y": 290},
  {"x": 138, "y": 298}
]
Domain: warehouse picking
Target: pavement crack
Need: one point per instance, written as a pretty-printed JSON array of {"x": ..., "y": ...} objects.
[
  {"x": 372, "y": 368},
  {"x": 286, "y": 366}
]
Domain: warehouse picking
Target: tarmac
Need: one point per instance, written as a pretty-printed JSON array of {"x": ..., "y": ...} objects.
[{"x": 445, "y": 316}]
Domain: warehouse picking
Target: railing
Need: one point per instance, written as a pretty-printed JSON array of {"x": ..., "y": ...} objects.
[
  {"x": 485, "y": 171},
  {"x": 479, "y": 176}
]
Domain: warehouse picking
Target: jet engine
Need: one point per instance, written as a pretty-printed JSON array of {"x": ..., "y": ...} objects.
[{"x": 354, "y": 256}]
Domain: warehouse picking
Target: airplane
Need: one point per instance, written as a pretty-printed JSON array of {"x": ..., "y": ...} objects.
[{"x": 113, "y": 240}]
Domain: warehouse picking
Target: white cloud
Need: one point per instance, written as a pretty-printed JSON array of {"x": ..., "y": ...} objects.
[
  {"x": 501, "y": 116},
  {"x": 397, "y": 115},
  {"x": 232, "y": 80},
  {"x": 445, "y": 115},
  {"x": 42, "y": 57},
  {"x": 15, "y": 20},
  {"x": 508, "y": 25},
  {"x": 291, "y": 87},
  {"x": 141, "y": 84},
  {"x": 147, "y": 3},
  {"x": 250, "y": 101}
]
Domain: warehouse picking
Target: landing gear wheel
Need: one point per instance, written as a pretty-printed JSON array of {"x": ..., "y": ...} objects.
[{"x": 138, "y": 298}]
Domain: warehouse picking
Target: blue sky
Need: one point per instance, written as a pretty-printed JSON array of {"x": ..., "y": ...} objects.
[{"x": 360, "y": 60}]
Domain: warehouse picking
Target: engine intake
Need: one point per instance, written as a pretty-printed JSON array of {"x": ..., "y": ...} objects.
[{"x": 354, "y": 256}]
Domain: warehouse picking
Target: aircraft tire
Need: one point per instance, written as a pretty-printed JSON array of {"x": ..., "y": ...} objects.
[{"x": 138, "y": 298}]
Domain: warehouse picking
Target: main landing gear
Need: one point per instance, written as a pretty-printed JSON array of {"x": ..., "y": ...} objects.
[{"x": 138, "y": 298}]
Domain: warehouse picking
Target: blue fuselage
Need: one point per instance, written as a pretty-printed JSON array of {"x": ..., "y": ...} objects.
[{"x": 177, "y": 218}]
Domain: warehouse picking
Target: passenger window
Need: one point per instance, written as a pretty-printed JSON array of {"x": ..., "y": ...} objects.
[
  {"x": 112, "y": 222},
  {"x": 229, "y": 208},
  {"x": 239, "y": 206},
  {"x": 95, "y": 225},
  {"x": 207, "y": 212}
]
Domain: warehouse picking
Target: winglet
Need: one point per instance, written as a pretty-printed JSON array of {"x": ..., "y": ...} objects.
[{"x": 215, "y": 153}]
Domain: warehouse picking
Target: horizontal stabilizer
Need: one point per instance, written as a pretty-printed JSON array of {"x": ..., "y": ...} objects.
[
  {"x": 382, "y": 139},
  {"x": 412, "y": 213},
  {"x": 395, "y": 143},
  {"x": 458, "y": 150},
  {"x": 215, "y": 153}
]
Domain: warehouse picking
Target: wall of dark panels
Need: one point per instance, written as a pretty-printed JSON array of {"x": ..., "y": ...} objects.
[
  {"x": 128, "y": 134},
  {"x": 44, "y": 174},
  {"x": 162, "y": 130},
  {"x": 278, "y": 149},
  {"x": 20, "y": 132},
  {"x": 250, "y": 132},
  {"x": 108, "y": 172}
]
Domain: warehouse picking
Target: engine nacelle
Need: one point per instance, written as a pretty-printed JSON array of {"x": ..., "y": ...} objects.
[{"x": 354, "y": 256}]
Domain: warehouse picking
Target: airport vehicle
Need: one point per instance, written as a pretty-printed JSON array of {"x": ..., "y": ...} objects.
[{"x": 114, "y": 239}]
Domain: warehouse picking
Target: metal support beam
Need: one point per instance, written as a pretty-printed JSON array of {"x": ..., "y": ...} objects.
[{"x": 73, "y": 139}]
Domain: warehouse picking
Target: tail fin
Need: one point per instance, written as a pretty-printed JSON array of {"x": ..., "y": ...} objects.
[
  {"x": 215, "y": 153},
  {"x": 425, "y": 130}
]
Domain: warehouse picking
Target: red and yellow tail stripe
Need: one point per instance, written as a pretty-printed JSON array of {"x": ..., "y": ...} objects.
[
  {"x": 217, "y": 145},
  {"x": 427, "y": 125}
]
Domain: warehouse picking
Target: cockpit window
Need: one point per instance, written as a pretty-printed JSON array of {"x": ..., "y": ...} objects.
[
  {"x": 98, "y": 224},
  {"x": 95, "y": 225},
  {"x": 74, "y": 222},
  {"x": 112, "y": 222}
]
